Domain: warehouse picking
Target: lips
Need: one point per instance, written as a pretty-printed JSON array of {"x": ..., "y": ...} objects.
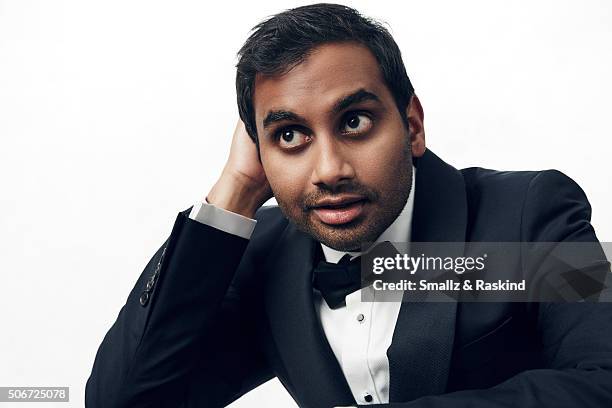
[
  {"x": 339, "y": 211},
  {"x": 341, "y": 201}
]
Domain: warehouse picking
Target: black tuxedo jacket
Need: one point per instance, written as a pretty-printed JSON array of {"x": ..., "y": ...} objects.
[{"x": 214, "y": 315}]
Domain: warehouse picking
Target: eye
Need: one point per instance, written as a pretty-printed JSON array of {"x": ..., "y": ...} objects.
[
  {"x": 290, "y": 138},
  {"x": 357, "y": 123}
]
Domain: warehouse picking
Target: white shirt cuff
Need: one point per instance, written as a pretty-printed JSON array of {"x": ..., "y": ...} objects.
[{"x": 223, "y": 220}]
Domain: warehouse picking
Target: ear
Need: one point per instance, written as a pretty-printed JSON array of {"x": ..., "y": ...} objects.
[{"x": 414, "y": 111}]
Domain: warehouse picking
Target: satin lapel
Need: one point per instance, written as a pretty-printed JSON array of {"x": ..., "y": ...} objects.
[
  {"x": 311, "y": 366},
  {"x": 420, "y": 353}
]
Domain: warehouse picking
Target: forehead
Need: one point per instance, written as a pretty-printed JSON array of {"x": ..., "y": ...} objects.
[{"x": 328, "y": 73}]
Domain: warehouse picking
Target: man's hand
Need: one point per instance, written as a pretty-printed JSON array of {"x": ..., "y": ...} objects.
[{"x": 242, "y": 187}]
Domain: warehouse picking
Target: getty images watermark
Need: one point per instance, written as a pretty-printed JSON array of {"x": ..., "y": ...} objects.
[{"x": 487, "y": 271}]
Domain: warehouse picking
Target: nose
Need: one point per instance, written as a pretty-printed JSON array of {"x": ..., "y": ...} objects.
[{"x": 331, "y": 166}]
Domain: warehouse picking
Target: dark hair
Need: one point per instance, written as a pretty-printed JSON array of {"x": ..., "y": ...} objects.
[{"x": 286, "y": 39}]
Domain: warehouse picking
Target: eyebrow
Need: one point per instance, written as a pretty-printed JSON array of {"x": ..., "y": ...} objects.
[
  {"x": 279, "y": 116},
  {"x": 358, "y": 96},
  {"x": 351, "y": 99}
]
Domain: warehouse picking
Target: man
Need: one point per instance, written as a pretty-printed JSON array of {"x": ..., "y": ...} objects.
[{"x": 236, "y": 295}]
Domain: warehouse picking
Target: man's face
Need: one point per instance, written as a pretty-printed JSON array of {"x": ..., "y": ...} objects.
[{"x": 329, "y": 129}]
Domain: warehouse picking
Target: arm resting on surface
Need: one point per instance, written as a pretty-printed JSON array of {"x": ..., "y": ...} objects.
[
  {"x": 576, "y": 338},
  {"x": 164, "y": 346}
]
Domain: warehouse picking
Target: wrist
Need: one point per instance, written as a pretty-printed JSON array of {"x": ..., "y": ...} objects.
[{"x": 234, "y": 193}]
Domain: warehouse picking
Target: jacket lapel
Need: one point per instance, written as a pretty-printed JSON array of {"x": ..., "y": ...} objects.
[
  {"x": 312, "y": 369},
  {"x": 420, "y": 353}
]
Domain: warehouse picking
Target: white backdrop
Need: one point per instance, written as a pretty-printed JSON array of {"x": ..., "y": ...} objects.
[{"x": 115, "y": 115}]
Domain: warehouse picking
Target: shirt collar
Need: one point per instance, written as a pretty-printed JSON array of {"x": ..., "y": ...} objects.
[{"x": 398, "y": 231}]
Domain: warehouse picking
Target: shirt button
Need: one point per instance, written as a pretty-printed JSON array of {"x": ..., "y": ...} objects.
[
  {"x": 360, "y": 317},
  {"x": 368, "y": 398}
]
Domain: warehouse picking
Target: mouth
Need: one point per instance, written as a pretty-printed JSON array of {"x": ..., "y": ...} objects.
[{"x": 340, "y": 212}]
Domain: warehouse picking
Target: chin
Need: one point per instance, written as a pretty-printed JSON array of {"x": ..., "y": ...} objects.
[{"x": 343, "y": 238}]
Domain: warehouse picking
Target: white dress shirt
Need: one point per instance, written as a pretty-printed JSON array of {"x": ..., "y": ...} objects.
[{"x": 359, "y": 333}]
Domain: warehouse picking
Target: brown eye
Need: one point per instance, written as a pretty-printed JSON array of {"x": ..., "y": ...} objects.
[
  {"x": 353, "y": 122},
  {"x": 287, "y": 135},
  {"x": 291, "y": 138},
  {"x": 357, "y": 123}
]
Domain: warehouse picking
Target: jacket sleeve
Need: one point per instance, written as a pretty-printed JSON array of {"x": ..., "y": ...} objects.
[
  {"x": 166, "y": 345},
  {"x": 576, "y": 338}
]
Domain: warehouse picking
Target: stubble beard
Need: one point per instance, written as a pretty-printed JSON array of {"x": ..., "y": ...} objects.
[{"x": 353, "y": 235}]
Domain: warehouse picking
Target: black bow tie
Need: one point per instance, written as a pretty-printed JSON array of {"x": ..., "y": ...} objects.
[{"x": 336, "y": 281}]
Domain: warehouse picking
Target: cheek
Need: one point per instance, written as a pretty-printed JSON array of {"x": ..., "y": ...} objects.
[
  {"x": 287, "y": 180},
  {"x": 382, "y": 159}
]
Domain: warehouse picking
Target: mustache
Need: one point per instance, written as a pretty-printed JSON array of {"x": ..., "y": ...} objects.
[{"x": 309, "y": 201}]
